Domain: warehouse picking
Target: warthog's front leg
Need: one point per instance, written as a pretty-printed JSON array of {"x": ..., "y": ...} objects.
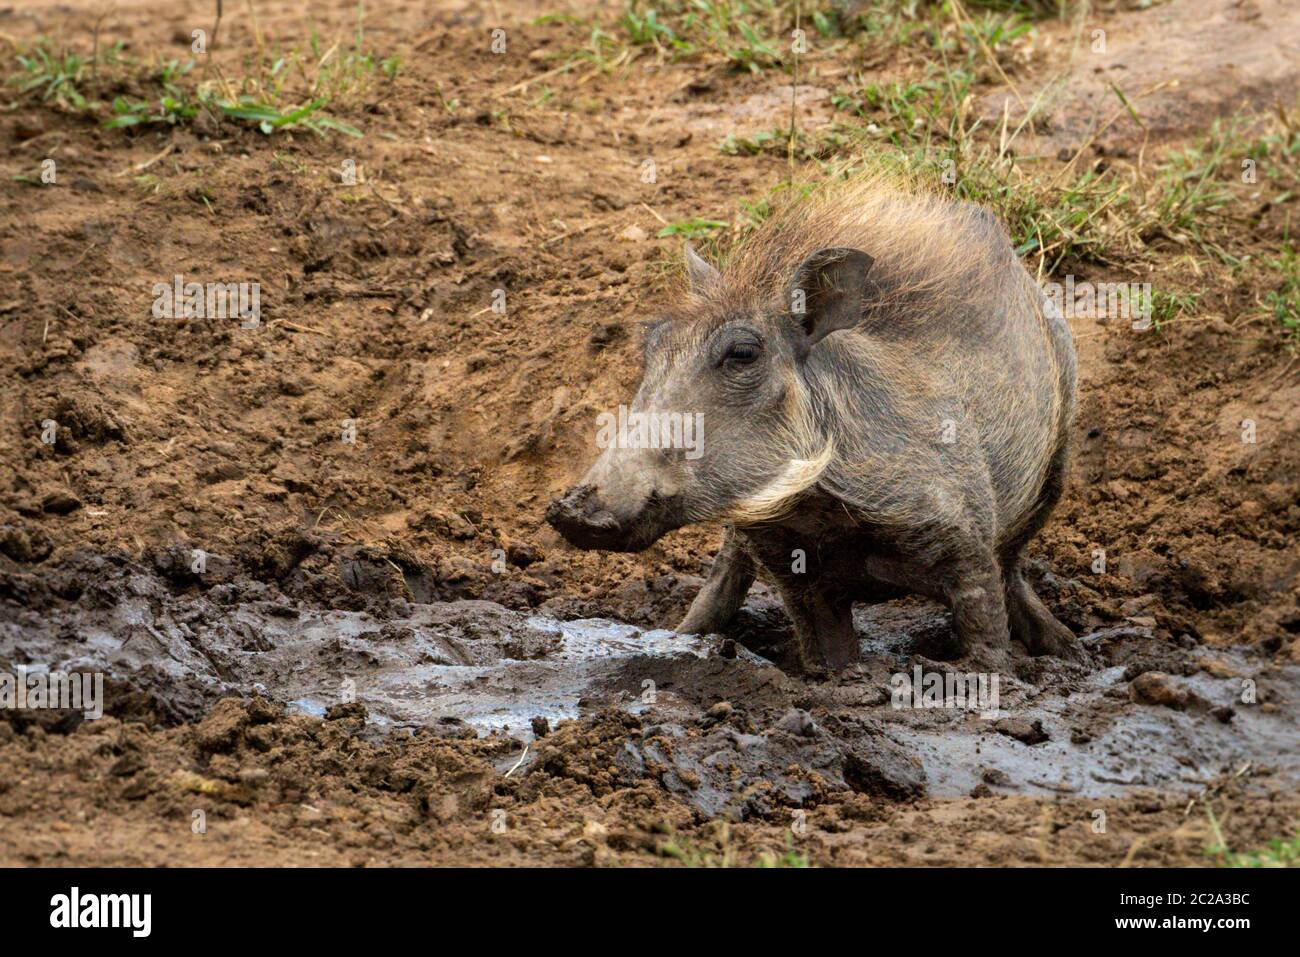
[
  {"x": 823, "y": 625},
  {"x": 723, "y": 591}
]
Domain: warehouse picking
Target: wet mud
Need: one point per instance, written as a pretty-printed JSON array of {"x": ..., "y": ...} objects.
[{"x": 1144, "y": 714}]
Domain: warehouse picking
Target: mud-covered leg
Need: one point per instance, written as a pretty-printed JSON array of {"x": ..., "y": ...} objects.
[
  {"x": 818, "y": 602},
  {"x": 1033, "y": 625},
  {"x": 975, "y": 595},
  {"x": 823, "y": 626},
  {"x": 723, "y": 591}
]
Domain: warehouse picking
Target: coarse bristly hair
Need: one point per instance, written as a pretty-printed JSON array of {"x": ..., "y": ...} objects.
[
  {"x": 926, "y": 246},
  {"x": 810, "y": 454}
]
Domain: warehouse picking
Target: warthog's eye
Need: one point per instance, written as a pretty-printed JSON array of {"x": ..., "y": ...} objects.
[
  {"x": 741, "y": 353},
  {"x": 739, "y": 349}
]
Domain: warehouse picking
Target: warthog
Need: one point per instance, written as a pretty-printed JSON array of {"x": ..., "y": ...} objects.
[{"x": 887, "y": 398}]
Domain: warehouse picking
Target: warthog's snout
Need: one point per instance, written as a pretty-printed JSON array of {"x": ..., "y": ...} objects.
[
  {"x": 589, "y": 517},
  {"x": 584, "y": 521}
]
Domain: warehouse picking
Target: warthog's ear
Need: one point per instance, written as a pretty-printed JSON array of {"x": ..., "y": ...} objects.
[
  {"x": 828, "y": 291},
  {"x": 703, "y": 277}
]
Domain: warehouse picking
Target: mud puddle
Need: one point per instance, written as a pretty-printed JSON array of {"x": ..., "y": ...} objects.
[
  {"x": 519, "y": 670},
  {"x": 1148, "y": 715},
  {"x": 716, "y": 720},
  {"x": 1098, "y": 742}
]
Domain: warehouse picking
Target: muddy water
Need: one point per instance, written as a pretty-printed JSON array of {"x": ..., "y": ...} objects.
[
  {"x": 1082, "y": 733},
  {"x": 1142, "y": 746},
  {"x": 475, "y": 666},
  {"x": 415, "y": 683}
]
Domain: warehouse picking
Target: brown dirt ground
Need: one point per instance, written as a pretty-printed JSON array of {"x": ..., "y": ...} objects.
[{"x": 376, "y": 308}]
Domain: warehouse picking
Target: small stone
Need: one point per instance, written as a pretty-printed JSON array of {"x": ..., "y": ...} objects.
[
  {"x": 522, "y": 554},
  {"x": 60, "y": 503},
  {"x": 797, "y": 722},
  {"x": 541, "y": 727},
  {"x": 633, "y": 234},
  {"x": 996, "y": 777},
  {"x": 1022, "y": 729},
  {"x": 717, "y": 714},
  {"x": 1157, "y": 688},
  {"x": 720, "y": 711},
  {"x": 1219, "y": 668}
]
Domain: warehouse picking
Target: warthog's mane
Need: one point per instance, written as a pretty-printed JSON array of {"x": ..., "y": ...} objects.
[{"x": 929, "y": 250}]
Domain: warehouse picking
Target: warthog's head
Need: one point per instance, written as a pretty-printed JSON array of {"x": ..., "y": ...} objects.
[{"x": 722, "y": 426}]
